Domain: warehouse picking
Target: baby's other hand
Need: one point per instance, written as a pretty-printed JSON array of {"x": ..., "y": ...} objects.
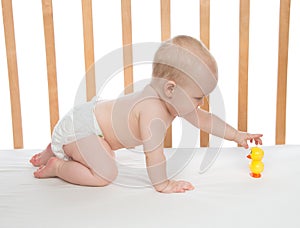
[
  {"x": 242, "y": 137},
  {"x": 172, "y": 186}
]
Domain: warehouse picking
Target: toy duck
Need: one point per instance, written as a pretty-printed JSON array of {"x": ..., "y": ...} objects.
[{"x": 256, "y": 165}]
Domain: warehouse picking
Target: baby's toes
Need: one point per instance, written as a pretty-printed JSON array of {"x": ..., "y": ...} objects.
[
  {"x": 35, "y": 160},
  {"x": 38, "y": 172}
]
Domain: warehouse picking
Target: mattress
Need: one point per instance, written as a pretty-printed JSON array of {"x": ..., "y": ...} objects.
[{"x": 225, "y": 195}]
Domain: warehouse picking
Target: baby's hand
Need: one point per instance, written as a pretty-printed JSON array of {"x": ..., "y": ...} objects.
[
  {"x": 172, "y": 186},
  {"x": 242, "y": 137}
]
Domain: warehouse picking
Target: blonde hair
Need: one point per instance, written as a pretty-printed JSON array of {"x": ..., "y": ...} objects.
[{"x": 181, "y": 52}]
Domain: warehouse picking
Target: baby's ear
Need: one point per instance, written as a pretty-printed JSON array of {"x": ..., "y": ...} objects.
[{"x": 169, "y": 88}]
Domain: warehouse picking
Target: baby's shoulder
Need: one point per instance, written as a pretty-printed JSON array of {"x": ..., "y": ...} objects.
[{"x": 153, "y": 107}]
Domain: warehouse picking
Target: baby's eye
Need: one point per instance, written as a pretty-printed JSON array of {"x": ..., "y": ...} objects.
[{"x": 198, "y": 98}]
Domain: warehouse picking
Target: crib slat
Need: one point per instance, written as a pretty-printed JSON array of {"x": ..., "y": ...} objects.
[
  {"x": 88, "y": 35},
  {"x": 127, "y": 49},
  {"x": 204, "y": 37},
  {"x": 165, "y": 19},
  {"x": 51, "y": 61},
  {"x": 282, "y": 71},
  {"x": 205, "y": 22},
  {"x": 9, "y": 33},
  {"x": 243, "y": 65}
]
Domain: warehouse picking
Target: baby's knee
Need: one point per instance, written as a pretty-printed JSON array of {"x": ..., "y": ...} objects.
[
  {"x": 112, "y": 174},
  {"x": 106, "y": 178}
]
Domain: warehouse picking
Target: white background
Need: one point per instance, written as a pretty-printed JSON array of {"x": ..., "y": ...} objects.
[{"x": 263, "y": 59}]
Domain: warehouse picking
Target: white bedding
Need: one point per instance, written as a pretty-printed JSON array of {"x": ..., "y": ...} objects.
[{"x": 225, "y": 195}]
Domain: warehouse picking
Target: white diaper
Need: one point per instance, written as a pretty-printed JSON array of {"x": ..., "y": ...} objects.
[{"x": 78, "y": 123}]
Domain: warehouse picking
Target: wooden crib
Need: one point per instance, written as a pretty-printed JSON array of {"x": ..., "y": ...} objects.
[
  {"x": 204, "y": 35},
  {"x": 224, "y": 196}
]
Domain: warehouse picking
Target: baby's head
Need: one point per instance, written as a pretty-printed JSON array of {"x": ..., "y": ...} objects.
[{"x": 184, "y": 62}]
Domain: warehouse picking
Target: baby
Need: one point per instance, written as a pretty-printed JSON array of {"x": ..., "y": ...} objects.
[{"x": 83, "y": 142}]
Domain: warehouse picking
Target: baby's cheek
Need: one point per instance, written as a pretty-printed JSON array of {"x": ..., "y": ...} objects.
[{"x": 187, "y": 106}]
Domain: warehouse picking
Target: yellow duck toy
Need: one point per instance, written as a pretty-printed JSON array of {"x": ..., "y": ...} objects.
[{"x": 256, "y": 165}]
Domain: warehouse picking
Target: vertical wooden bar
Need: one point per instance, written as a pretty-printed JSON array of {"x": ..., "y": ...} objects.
[
  {"x": 205, "y": 22},
  {"x": 165, "y": 18},
  {"x": 243, "y": 65},
  {"x": 51, "y": 61},
  {"x": 127, "y": 48},
  {"x": 12, "y": 66},
  {"x": 205, "y": 37},
  {"x": 284, "y": 23},
  {"x": 88, "y": 36},
  {"x": 165, "y": 15}
]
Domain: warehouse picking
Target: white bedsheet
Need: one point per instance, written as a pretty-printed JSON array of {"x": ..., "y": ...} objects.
[{"x": 225, "y": 195}]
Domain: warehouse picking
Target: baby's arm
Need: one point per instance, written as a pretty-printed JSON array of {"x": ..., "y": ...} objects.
[
  {"x": 212, "y": 124},
  {"x": 156, "y": 168},
  {"x": 152, "y": 130}
]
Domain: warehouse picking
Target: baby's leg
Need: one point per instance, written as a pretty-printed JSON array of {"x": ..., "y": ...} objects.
[
  {"x": 96, "y": 168},
  {"x": 42, "y": 157}
]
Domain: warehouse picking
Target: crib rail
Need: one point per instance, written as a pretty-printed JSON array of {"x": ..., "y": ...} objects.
[
  {"x": 166, "y": 34},
  {"x": 127, "y": 57},
  {"x": 12, "y": 66},
  {"x": 282, "y": 71},
  {"x": 51, "y": 61}
]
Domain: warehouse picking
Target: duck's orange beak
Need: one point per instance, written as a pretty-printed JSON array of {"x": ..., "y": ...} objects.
[{"x": 249, "y": 156}]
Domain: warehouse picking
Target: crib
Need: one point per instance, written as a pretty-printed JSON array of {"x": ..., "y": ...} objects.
[{"x": 225, "y": 194}]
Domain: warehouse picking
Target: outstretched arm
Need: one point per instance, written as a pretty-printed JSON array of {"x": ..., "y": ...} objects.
[{"x": 212, "y": 124}]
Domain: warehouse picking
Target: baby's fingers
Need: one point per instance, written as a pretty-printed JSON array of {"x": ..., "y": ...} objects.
[
  {"x": 256, "y": 138},
  {"x": 245, "y": 144},
  {"x": 184, "y": 186},
  {"x": 177, "y": 187},
  {"x": 258, "y": 141}
]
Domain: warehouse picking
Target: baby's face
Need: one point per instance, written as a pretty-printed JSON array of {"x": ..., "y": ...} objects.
[{"x": 186, "y": 98}]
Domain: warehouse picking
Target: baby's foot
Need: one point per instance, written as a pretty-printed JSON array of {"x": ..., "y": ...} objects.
[
  {"x": 42, "y": 158},
  {"x": 48, "y": 170}
]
